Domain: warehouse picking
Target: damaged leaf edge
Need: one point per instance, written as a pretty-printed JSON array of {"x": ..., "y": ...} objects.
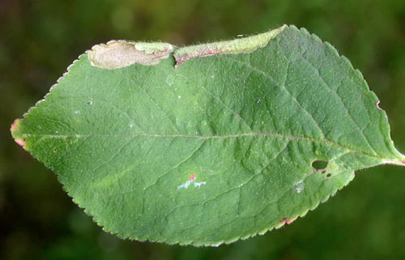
[
  {"x": 236, "y": 46},
  {"x": 151, "y": 53},
  {"x": 154, "y": 52},
  {"x": 118, "y": 54}
]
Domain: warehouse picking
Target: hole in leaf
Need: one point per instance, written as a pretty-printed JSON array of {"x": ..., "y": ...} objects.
[
  {"x": 328, "y": 175},
  {"x": 319, "y": 165}
]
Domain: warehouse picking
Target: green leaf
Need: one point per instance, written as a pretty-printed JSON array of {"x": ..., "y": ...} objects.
[{"x": 211, "y": 143}]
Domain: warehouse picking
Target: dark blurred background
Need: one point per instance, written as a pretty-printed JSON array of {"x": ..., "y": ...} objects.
[{"x": 40, "y": 38}]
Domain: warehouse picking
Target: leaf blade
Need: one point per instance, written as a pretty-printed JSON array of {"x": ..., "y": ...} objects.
[{"x": 219, "y": 148}]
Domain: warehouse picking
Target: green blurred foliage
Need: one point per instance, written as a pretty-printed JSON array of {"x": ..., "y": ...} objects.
[{"x": 40, "y": 38}]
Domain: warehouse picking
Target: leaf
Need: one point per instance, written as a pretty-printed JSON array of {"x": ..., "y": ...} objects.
[{"x": 211, "y": 143}]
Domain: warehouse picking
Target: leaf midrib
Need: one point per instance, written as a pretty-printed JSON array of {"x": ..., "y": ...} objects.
[{"x": 260, "y": 134}]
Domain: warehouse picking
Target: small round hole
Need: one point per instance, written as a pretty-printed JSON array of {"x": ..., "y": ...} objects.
[
  {"x": 328, "y": 175},
  {"x": 319, "y": 165}
]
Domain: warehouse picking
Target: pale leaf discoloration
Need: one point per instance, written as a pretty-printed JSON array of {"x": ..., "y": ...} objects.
[
  {"x": 236, "y": 46},
  {"x": 120, "y": 54}
]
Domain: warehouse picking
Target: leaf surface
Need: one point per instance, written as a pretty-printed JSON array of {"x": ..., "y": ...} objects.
[{"x": 211, "y": 143}]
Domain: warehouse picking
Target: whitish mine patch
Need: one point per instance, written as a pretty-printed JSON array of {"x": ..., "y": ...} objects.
[
  {"x": 191, "y": 181},
  {"x": 119, "y": 54}
]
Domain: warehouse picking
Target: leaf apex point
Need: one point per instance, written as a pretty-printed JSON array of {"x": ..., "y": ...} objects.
[{"x": 14, "y": 126}]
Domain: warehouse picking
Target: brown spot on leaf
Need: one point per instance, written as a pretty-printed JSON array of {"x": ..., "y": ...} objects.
[
  {"x": 20, "y": 142},
  {"x": 120, "y": 54},
  {"x": 288, "y": 220},
  {"x": 205, "y": 53}
]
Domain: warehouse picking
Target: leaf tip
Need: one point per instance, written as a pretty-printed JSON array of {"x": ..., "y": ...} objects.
[
  {"x": 14, "y": 129},
  {"x": 15, "y": 125}
]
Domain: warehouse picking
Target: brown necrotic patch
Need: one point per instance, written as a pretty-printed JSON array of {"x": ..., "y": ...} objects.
[{"x": 120, "y": 54}]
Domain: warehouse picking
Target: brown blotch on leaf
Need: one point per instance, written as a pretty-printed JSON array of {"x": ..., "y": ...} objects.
[
  {"x": 20, "y": 142},
  {"x": 120, "y": 54},
  {"x": 205, "y": 53},
  {"x": 288, "y": 220}
]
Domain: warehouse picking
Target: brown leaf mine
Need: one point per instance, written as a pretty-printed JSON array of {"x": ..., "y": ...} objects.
[{"x": 120, "y": 54}]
